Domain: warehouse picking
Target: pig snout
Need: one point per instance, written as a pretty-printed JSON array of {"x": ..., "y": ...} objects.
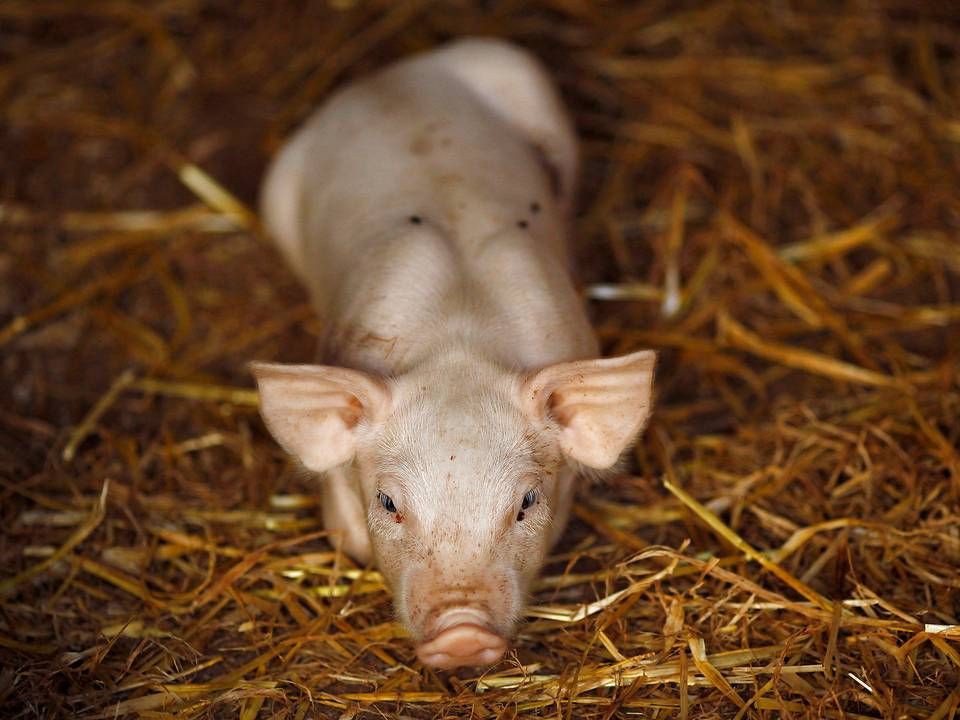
[
  {"x": 460, "y": 638},
  {"x": 460, "y": 617}
]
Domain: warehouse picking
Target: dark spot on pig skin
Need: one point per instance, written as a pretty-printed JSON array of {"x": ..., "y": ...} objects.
[
  {"x": 453, "y": 457},
  {"x": 520, "y": 516},
  {"x": 415, "y": 219},
  {"x": 522, "y": 224},
  {"x": 534, "y": 207}
]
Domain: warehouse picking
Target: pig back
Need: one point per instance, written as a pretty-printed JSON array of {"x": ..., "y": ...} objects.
[{"x": 412, "y": 192}]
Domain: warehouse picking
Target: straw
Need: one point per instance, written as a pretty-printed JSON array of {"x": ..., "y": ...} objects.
[{"x": 768, "y": 197}]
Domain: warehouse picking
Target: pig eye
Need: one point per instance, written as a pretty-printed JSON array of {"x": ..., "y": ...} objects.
[
  {"x": 529, "y": 499},
  {"x": 387, "y": 502}
]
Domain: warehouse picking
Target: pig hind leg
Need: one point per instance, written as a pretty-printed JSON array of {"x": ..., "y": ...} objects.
[
  {"x": 280, "y": 200},
  {"x": 517, "y": 88},
  {"x": 344, "y": 517}
]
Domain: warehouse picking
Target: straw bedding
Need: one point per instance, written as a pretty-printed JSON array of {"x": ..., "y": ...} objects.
[{"x": 769, "y": 197}]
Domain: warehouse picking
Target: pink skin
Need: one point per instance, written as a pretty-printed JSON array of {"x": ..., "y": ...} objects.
[
  {"x": 462, "y": 640},
  {"x": 426, "y": 209}
]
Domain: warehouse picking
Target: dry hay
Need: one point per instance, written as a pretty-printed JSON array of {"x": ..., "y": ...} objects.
[{"x": 770, "y": 196}]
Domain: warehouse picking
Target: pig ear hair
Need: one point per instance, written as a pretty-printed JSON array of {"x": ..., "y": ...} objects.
[
  {"x": 313, "y": 410},
  {"x": 600, "y": 405}
]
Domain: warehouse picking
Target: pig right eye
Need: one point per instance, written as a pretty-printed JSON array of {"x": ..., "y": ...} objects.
[{"x": 387, "y": 502}]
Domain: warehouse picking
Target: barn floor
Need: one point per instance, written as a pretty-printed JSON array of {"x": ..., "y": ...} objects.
[{"x": 770, "y": 198}]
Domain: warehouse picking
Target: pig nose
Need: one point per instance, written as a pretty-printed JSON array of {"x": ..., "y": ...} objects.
[{"x": 461, "y": 642}]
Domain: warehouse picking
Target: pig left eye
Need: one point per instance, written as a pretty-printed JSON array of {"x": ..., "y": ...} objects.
[{"x": 387, "y": 503}]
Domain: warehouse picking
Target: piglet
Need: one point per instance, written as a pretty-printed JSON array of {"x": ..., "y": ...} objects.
[{"x": 426, "y": 208}]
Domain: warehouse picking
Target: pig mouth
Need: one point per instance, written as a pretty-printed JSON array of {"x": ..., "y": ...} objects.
[{"x": 462, "y": 637}]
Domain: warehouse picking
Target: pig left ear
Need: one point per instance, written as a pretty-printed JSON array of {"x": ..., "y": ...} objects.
[
  {"x": 313, "y": 410},
  {"x": 600, "y": 405}
]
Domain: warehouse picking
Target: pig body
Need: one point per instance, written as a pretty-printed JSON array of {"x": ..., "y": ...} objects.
[
  {"x": 430, "y": 202},
  {"x": 426, "y": 209}
]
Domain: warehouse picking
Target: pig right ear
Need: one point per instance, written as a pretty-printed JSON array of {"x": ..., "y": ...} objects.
[
  {"x": 600, "y": 405},
  {"x": 313, "y": 410}
]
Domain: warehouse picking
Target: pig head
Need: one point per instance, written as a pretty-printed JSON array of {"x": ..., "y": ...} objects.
[{"x": 426, "y": 210}]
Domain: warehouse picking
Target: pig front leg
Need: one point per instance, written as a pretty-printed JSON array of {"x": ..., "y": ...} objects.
[{"x": 344, "y": 516}]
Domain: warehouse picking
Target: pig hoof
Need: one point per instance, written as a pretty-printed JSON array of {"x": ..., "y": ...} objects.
[{"x": 462, "y": 645}]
